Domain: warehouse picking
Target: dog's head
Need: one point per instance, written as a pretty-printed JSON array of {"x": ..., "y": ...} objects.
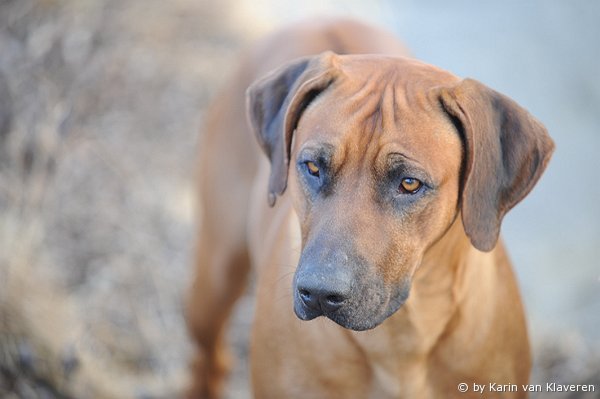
[{"x": 381, "y": 155}]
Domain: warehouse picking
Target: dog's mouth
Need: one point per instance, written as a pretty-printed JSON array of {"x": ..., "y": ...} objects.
[{"x": 365, "y": 310}]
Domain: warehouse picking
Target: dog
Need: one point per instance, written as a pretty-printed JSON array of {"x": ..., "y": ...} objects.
[{"x": 372, "y": 223}]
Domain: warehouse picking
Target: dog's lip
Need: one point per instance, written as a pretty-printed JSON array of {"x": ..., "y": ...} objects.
[
  {"x": 339, "y": 316},
  {"x": 356, "y": 327}
]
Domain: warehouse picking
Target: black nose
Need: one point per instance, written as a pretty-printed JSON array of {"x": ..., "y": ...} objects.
[
  {"x": 321, "y": 300},
  {"x": 322, "y": 296}
]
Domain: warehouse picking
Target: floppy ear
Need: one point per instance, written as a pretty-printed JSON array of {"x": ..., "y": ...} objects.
[
  {"x": 275, "y": 104},
  {"x": 506, "y": 151}
]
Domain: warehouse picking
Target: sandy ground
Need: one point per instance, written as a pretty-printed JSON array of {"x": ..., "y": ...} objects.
[{"x": 101, "y": 105}]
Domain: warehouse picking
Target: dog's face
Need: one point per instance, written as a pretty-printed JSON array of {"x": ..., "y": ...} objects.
[
  {"x": 381, "y": 157},
  {"x": 374, "y": 176}
]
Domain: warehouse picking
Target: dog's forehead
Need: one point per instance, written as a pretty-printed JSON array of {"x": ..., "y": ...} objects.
[
  {"x": 383, "y": 92},
  {"x": 381, "y": 104},
  {"x": 404, "y": 72}
]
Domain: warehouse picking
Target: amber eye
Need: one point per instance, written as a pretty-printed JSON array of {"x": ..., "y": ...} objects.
[
  {"x": 410, "y": 185},
  {"x": 312, "y": 168}
]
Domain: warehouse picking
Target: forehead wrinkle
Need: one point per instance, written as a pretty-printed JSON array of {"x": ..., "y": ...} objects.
[
  {"x": 383, "y": 100},
  {"x": 370, "y": 106},
  {"x": 389, "y": 106},
  {"x": 373, "y": 106},
  {"x": 364, "y": 101}
]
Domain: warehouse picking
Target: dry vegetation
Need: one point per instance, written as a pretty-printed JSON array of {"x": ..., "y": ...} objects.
[
  {"x": 100, "y": 106},
  {"x": 103, "y": 101}
]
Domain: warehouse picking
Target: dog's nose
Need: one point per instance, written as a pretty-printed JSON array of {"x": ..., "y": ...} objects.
[{"x": 322, "y": 296}]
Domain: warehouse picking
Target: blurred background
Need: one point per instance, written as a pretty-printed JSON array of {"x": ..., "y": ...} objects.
[{"x": 101, "y": 106}]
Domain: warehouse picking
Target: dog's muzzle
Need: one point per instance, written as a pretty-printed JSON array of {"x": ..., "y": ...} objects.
[{"x": 343, "y": 288}]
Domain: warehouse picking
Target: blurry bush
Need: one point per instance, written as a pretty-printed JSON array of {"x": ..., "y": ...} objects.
[{"x": 99, "y": 113}]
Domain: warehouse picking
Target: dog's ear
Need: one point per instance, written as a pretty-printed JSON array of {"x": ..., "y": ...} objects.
[
  {"x": 275, "y": 104},
  {"x": 506, "y": 151}
]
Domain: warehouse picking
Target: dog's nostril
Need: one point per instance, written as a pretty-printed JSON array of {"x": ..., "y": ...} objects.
[
  {"x": 319, "y": 298},
  {"x": 334, "y": 299},
  {"x": 304, "y": 294}
]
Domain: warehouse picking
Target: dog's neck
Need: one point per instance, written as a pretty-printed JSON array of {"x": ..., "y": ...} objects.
[{"x": 402, "y": 345}]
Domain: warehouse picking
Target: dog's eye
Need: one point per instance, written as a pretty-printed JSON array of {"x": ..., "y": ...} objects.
[
  {"x": 312, "y": 168},
  {"x": 410, "y": 185}
]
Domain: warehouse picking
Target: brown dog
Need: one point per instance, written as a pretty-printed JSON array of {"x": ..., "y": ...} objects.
[{"x": 398, "y": 175}]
